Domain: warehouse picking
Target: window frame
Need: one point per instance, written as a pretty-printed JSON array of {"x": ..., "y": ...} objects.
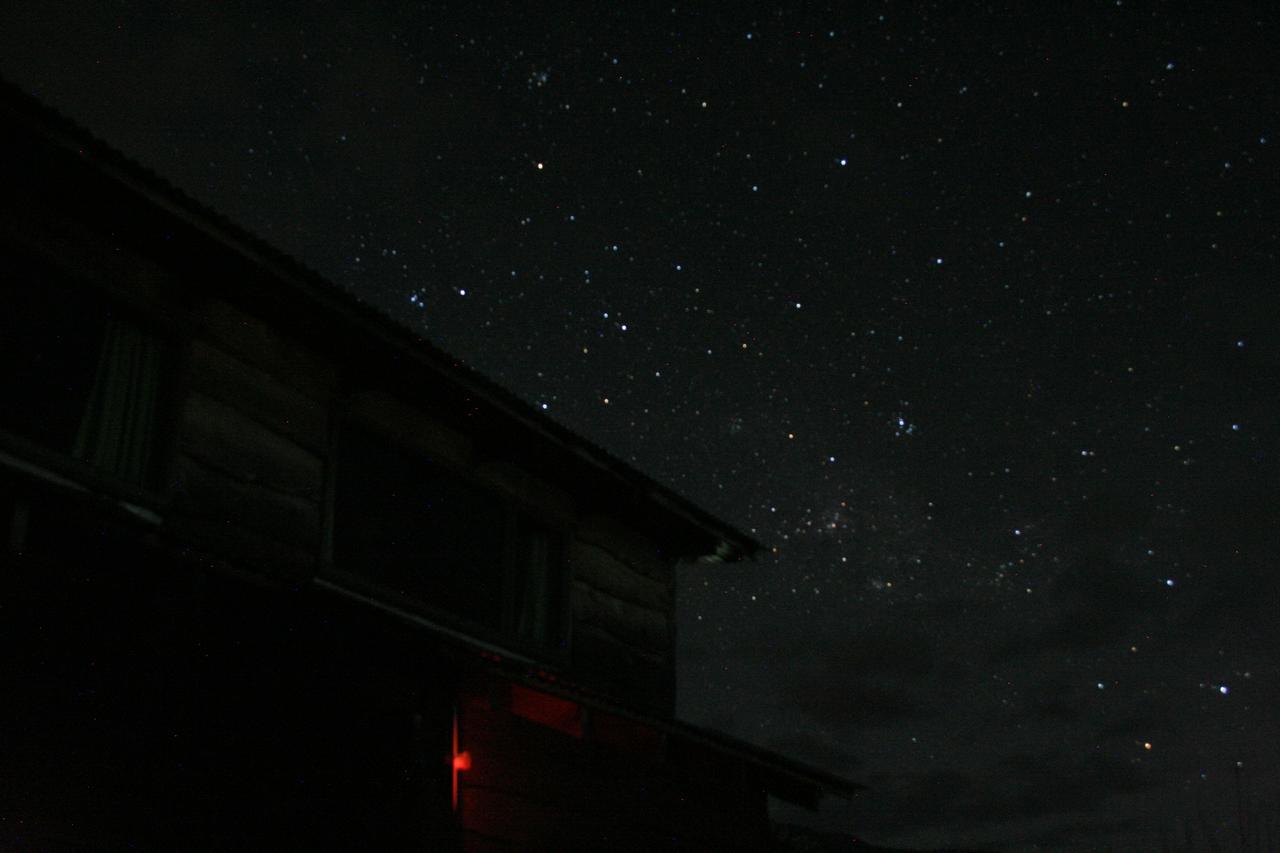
[
  {"x": 61, "y": 468},
  {"x": 557, "y": 652}
]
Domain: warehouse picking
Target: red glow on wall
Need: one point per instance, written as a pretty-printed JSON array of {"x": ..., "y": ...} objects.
[
  {"x": 627, "y": 735},
  {"x": 460, "y": 761},
  {"x": 554, "y": 712}
]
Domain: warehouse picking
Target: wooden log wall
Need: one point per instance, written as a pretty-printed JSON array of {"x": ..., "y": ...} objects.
[
  {"x": 253, "y": 430},
  {"x": 410, "y": 428},
  {"x": 253, "y": 425},
  {"x": 623, "y": 602}
]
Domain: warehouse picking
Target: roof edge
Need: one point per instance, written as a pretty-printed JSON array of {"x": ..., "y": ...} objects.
[{"x": 731, "y": 545}]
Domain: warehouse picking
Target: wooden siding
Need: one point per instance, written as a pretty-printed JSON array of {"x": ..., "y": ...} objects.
[
  {"x": 600, "y": 570},
  {"x": 252, "y": 433},
  {"x": 221, "y": 376},
  {"x": 254, "y": 418},
  {"x": 623, "y": 608},
  {"x": 544, "y": 500},
  {"x": 642, "y": 628},
  {"x": 411, "y": 428},
  {"x": 633, "y": 548},
  {"x": 207, "y": 490},
  {"x": 241, "y": 446},
  {"x": 641, "y": 678},
  {"x": 259, "y": 343}
]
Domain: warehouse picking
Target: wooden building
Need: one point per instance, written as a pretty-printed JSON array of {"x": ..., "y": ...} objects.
[{"x": 277, "y": 574}]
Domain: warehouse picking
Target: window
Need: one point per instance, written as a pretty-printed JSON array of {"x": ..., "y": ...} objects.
[
  {"x": 434, "y": 538},
  {"x": 537, "y": 585},
  {"x": 79, "y": 376}
]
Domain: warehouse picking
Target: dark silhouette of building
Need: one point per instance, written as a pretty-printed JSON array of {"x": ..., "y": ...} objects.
[{"x": 278, "y": 574}]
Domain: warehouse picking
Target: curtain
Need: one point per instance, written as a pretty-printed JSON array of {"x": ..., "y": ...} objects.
[
  {"x": 533, "y": 601},
  {"x": 115, "y": 434}
]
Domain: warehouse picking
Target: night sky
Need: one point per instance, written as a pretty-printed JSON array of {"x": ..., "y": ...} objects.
[{"x": 970, "y": 316}]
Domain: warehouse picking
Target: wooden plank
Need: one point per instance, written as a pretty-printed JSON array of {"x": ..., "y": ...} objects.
[
  {"x": 641, "y": 627},
  {"x": 641, "y": 745},
  {"x": 207, "y": 492},
  {"x": 240, "y": 547},
  {"x": 555, "y": 504},
  {"x": 224, "y": 438},
  {"x": 265, "y": 347},
  {"x": 411, "y": 427},
  {"x": 630, "y": 546},
  {"x": 598, "y": 568},
  {"x": 598, "y": 638},
  {"x": 643, "y": 678},
  {"x": 258, "y": 394}
]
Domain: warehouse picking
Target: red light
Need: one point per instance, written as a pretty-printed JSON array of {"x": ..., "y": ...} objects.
[{"x": 460, "y": 761}]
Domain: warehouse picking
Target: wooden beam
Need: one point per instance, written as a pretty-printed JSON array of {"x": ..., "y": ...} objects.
[
  {"x": 226, "y": 378},
  {"x": 628, "y": 545},
  {"x": 263, "y": 346},
  {"x": 410, "y": 427},
  {"x": 209, "y": 493},
  {"x": 223, "y": 437},
  {"x": 640, "y": 627},
  {"x": 598, "y": 568}
]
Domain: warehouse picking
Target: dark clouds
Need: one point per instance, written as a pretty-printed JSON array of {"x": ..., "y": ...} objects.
[{"x": 1039, "y": 794}]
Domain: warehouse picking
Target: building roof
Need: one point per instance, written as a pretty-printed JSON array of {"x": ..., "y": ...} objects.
[
  {"x": 781, "y": 776},
  {"x": 691, "y": 530},
  {"x": 696, "y": 532}
]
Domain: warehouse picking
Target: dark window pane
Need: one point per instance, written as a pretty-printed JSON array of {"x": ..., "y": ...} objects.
[
  {"x": 418, "y": 530},
  {"x": 49, "y": 344},
  {"x": 77, "y": 377}
]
